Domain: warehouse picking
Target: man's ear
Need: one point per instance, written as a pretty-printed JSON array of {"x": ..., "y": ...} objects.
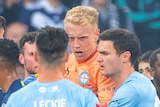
[
  {"x": 21, "y": 58},
  {"x": 97, "y": 33},
  {"x": 126, "y": 56}
]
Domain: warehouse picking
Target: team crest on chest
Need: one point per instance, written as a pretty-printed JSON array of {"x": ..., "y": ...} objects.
[{"x": 84, "y": 77}]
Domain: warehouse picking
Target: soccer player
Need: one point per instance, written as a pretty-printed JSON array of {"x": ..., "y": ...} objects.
[
  {"x": 81, "y": 25},
  {"x": 51, "y": 89},
  {"x": 118, "y": 50},
  {"x": 155, "y": 64},
  {"x": 27, "y": 48},
  {"x": 9, "y": 81}
]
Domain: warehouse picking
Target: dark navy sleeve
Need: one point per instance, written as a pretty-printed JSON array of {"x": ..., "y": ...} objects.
[{"x": 1, "y": 96}]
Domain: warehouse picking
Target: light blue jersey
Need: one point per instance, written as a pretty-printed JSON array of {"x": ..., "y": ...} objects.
[
  {"x": 29, "y": 79},
  {"x": 63, "y": 93},
  {"x": 136, "y": 91}
]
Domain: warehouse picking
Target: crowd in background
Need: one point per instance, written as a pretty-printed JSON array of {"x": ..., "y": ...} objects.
[{"x": 140, "y": 17}]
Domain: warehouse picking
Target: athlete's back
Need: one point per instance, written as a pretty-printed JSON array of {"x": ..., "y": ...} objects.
[{"x": 62, "y": 93}]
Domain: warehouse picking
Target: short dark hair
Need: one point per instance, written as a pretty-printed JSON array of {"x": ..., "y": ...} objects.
[
  {"x": 28, "y": 37},
  {"x": 2, "y": 22},
  {"x": 123, "y": 40},
  {"x": 154, "y": 58},
  {"x": 51, "y": 43},
  {"x": 9, "y": 53},
  {"x": 145, "y": 57}
]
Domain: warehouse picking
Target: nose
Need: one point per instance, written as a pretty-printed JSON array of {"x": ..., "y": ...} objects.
[
  {"x": 99, "y": 59},
  {"x": 76, "y": 43}
]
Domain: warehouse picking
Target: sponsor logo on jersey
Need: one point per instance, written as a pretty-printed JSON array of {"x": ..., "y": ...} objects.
[
  {"x": 84, "y": 77},
  {"x": 42, "y": 89}
]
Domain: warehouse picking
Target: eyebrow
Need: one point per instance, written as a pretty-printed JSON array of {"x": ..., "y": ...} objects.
[{"x": 85, "y": 35}]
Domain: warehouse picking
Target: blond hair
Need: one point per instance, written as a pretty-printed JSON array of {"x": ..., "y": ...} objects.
[{"x": 82, "y": 15}]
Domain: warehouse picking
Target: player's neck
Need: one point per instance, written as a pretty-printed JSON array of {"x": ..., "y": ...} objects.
[
  {"x": 8, "y": 81},
  {"x": 120, "y": 77},
  {"x": 26, "y": 74},
  {"x": 51, "y": 74}
]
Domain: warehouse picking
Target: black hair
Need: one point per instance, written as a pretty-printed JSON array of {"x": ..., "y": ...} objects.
[
  {"x": 145, "y": 57},
  {"x": 9, "y": 52},
  {"x": 51, "y": 43},
  {"x": 28, "y": 37},
  {"x": 154, "y": 58}
]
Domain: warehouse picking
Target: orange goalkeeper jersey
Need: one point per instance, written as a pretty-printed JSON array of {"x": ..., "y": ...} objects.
[{"x": 88, "y": 73}]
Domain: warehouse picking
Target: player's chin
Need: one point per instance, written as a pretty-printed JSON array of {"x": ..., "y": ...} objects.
[{"x": 103, "y": 72}]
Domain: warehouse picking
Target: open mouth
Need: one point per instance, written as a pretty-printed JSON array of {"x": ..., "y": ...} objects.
[
  {"x": 101, "y": 67},
  {"x": 78, "y": 53}
]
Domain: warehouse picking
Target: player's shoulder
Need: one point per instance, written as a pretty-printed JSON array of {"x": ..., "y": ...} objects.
[
  {"x": 137, "y": 78},
  {"x": 26, "y": 88}
]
